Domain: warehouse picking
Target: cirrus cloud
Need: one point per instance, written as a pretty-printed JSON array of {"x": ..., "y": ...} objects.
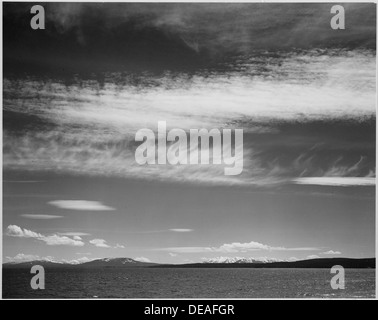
[
  {"x": 74, "y": 234},
  {"x": 181, "y": 230},
  {"x": 41, "y": 216},
  {"x": 337, "y": 181},
  {"x": 103, "y": 142}
]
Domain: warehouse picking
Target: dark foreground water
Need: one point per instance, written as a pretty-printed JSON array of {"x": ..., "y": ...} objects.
[{"x": 189, "y": 283}]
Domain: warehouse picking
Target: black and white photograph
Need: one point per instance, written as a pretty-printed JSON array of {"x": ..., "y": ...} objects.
[{"x": 197, "y": 150}]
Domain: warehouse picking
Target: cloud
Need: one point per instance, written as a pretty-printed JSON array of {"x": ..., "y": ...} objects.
[
  {"x": 240, "y": 247},
  {"x": 78, "y": 261},
  {"x": 100, "y": 243},
  {"x": 21, "y": 257},
  {"x": 173, "y": 254},
  {"x": 40, "y": 216},
  {"x": 313, "y": 256},
  {"x": 214, "y": 30},
  {"x": 77, "y": 238},
  {"x": 16, "y": 231},
  {"x": 142, "y": 259},
  {"x": 103, "y": 142},
  {"x": 51, "y": 240},
  {"x": 234, "y": 248},
  {"x": 74, "y": 234},
  {"x": 83, "y": 259},
  {"x": 30, "y": 257},
  {"x": 331, "y": 252},
  {"x": 181, "y": 230},
  {"x": 80, "y": 205},
  {"x": 336, "y": 181},
  {"x": 55, "y": 240},
  {"x": 252, "y": 246}
]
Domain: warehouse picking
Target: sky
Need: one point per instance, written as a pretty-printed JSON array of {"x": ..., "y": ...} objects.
[{"x": 76, "y": 93}]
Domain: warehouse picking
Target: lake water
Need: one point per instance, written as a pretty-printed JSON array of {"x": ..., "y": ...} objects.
[{"x": 189, "y": 283}]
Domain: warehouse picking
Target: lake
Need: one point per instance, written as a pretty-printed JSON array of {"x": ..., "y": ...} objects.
[{"x": 188, "y": 283}]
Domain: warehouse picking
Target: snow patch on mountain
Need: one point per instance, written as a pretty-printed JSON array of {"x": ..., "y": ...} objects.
[{"x": 241, "y": 260}]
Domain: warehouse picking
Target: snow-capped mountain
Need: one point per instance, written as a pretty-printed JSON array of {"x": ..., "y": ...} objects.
[
  {"x": 104, "y": 262},
  {"x": 116, "y": 262},
  {"x": 240, "y": 260}
]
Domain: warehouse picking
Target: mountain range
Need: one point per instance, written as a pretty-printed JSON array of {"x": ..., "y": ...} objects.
[
  {"x": 104, "y": 263},
  {"x": 226, "y": 263},
  {"x": 241, "y": 260}
]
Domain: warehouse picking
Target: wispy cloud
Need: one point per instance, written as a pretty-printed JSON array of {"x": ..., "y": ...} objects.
[
  {"x": 181, "y": 230},
  {"x": 80, "y": 205},
  {"x": 51, "y": 240},
  {"x": 336, "y": 181},
  {"x": 40, "y": 216},
  {"x": 105, "y": 121},
  {"x": 74, "y": 234},
  {"x": 235, "y": 247},
  {"x": 119, "y": 246}
]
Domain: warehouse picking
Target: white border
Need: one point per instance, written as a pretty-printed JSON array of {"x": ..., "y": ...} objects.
[{"x": 176, "y": 1}]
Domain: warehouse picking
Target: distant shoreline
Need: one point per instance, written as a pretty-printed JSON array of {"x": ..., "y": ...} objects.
[
  {"x": 347, "y": 263},
  {"x": 325, "y": 263}
]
